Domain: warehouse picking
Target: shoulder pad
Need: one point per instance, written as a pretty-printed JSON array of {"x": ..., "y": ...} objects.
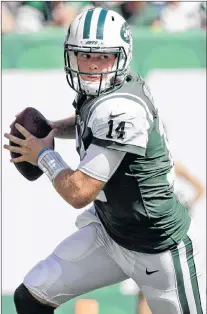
[{"x": 122, "y": 119}]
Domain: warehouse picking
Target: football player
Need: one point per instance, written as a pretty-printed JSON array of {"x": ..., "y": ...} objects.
[{"x": 136, "y": 227}]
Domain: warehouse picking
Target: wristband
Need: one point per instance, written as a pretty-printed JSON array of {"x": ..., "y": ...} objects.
[
  {"x": 51, "y": 163},
  {"x": 42, "y": 151}
]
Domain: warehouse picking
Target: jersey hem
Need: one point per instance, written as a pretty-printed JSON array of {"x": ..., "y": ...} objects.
[
  {"x": 137, "y": 150},
  {"x": 92, "y": 174}
]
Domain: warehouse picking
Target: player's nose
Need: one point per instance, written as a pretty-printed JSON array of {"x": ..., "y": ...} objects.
[{"x": 93, "y": 67}]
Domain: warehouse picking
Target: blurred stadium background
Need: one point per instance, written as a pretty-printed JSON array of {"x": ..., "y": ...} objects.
[{"x": 169, "y": 51}]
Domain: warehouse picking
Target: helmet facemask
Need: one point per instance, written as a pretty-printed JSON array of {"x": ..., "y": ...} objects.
[{"x": 115, "y": 77}]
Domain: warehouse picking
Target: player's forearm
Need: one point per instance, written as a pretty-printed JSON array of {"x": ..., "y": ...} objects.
[
  {"x": 65, "y": 128},
  {"x": 76, "y": 187},
  {"x": 72, "y": 186}
]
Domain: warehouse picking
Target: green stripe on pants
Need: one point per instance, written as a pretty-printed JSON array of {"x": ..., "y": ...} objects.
[
  {"x": 101, "y": 21},
  {"x": 87, "y": 24},
  {"x": 180, "y": 282},
  {"x": 193, "y": 274}
]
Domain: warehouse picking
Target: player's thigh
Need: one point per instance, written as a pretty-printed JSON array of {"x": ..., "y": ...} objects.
[
  {"x": 174, "y": 281},
  {"x": 78, "y": 265}
]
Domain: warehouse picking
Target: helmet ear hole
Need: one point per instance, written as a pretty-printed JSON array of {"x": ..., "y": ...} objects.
[
  {"x": 128, "y": 78},
  {"x": 112, "y": 18}
]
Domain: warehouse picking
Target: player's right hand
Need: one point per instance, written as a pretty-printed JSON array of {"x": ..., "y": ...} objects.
[{"x": 29, "y": 147}]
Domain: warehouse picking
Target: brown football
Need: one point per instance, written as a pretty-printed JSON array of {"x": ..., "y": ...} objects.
[{"x": 33, "y": 121}]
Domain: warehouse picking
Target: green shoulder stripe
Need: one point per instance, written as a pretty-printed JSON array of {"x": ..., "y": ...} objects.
[{"x": 125, "y": 96}]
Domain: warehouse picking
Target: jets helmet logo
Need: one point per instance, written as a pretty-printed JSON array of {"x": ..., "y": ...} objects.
[{"x": 126, "y": 33}]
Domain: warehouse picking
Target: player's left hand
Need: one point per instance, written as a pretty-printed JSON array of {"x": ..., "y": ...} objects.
[{"x": 29, "y": 147}]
